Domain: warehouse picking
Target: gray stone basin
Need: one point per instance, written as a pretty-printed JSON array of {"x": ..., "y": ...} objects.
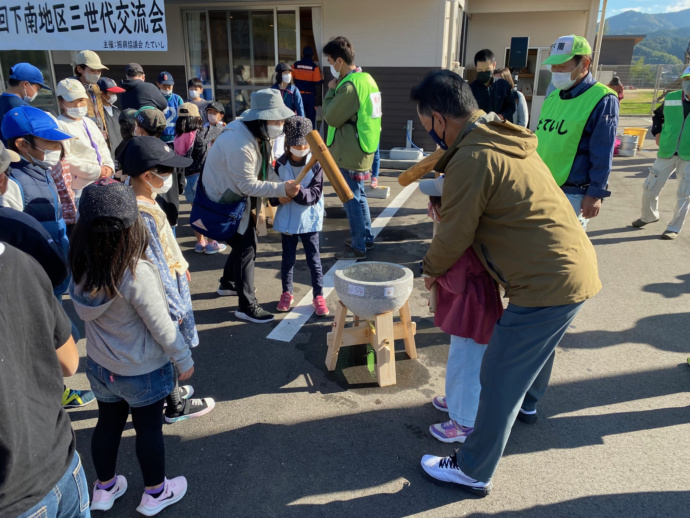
[{"x": 373, "y": 288}]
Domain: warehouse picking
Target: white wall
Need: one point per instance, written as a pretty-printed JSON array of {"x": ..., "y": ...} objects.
[
  {"x": 174, "y": 55},
  {"x": 400, "y": 33},
  {"x": 493, "y": 31}
]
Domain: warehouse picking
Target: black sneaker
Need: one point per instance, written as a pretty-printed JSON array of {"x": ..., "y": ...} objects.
[
  {"x": 350, "y": 253},
  {"x": 226, "y": 289},
  {"x": 192, "y": 408},
  {"x": 527, "y": 418},
  {"x": 368, "y": 244},
  {"x": 255, "y": 314}
]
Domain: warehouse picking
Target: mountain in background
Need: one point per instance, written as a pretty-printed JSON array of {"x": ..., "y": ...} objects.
[{"x": 668, "y": 34}]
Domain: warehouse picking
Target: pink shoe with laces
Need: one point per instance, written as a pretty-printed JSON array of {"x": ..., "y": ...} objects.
[
  {"x": 450, "y": 431},
  {"x": 173, "y": 491},
  {"x": 286, "y": 300},
  {"x": 103, "y": 499},
  {"x": 320, "y": 306}
]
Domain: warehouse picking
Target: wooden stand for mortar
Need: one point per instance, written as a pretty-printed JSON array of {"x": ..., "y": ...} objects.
[{"x": 381, "y": 333}]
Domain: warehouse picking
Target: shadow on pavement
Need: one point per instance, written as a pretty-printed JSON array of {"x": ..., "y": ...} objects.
[{"x": 671, "y": 290}]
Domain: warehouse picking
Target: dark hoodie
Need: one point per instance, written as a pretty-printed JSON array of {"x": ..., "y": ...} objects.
[
  {"x": 139, "y": 93},
  {"x": 500, "y": 198}
]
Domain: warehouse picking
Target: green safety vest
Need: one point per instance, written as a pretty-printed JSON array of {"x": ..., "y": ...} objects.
[
  {"x": 561, "y": 125},
  {"x": 369, "y": 114},
  {"x": 673, "y": 137}
]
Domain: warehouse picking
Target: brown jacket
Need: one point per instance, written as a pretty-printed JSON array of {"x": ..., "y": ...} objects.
[{"x": 500, "y": 198}]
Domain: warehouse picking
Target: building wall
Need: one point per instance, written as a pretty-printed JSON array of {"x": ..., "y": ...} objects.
[
  {"x": 403, "y": 33},
  {"x": 494, "y": 30}
]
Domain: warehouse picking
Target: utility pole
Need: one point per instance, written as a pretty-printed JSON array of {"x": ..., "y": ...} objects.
[{"x": 597, "y": 44}]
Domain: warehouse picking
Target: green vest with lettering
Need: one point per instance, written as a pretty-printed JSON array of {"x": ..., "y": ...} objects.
[
  {"x": 369, "y": 114},
  {"x": 675, "y": 138},
  {"x": 561, "y": 125}
]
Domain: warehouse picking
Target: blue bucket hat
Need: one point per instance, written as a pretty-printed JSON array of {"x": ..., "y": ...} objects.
[
  {"x": 267, "y": 105},
  {"x": 27, "y": 120}
]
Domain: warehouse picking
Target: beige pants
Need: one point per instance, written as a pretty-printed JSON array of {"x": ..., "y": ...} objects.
[{"x": 655, "y": 182}]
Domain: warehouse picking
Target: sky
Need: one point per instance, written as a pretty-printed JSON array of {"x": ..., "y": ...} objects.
[{"x": 615, "y": 7}]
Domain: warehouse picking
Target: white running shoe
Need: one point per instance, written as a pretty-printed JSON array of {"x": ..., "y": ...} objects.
[
  {"x": 173, "y": 491},
  {"x": 446, "y": 469},
  {"x": 103, "y": 499}
]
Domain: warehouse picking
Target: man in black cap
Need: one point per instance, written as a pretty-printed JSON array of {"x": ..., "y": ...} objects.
[
  {"x": 307, "y": 77},
  {"x": 138, "y": 93}
]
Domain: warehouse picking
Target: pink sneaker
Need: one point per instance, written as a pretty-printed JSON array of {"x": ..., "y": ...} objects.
[
  {"x": 103, "y": 499},
  {"x": 320, "y": 306},
  {"x": 173, "y": 491},
  {"x": 439, "y": 403},
  {"x": 450, "y": 431},
  {"x": 286, "y": 300}
]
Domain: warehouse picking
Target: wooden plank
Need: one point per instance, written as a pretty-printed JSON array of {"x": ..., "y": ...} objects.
[
  {"x": 409, "y": 330},
  {"x": 339, "y": 328},
  {"x": 361, "y": 334},
  {"x": 384, "y": 345}
]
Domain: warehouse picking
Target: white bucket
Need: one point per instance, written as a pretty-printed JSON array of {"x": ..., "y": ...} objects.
[
  {"x": 629, "y": 139},
  {"x": 627, "y": 152},
  {"x": 628, "y": 145}
]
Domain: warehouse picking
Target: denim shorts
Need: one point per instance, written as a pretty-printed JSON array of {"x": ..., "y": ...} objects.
[{"x": 137, "y": 391}]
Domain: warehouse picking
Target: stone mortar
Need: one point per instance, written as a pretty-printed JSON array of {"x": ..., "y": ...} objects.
[{"x": 373, "y": 288}]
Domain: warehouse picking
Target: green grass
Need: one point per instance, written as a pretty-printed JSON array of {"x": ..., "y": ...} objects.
[{"x": 637, "y": 102}]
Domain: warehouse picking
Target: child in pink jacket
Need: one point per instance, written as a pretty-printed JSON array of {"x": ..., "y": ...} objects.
[{"x": 468, "y": 305}]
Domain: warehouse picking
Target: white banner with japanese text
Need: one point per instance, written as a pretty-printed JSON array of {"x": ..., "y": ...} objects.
[{"x": 97, "y": 25}]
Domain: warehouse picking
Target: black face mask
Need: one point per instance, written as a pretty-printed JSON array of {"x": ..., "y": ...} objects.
[{"x": 485, "y": 76}]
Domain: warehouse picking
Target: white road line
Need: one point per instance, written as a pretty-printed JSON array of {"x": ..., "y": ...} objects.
[{"x": 286, "y": 330}]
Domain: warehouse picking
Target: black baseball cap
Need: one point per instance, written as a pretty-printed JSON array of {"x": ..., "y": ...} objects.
[
  {"x": 133, "y": 69},
  {"x": 109, "y": 85},
  {"x": 215, "y": 105},
  {"x": 283, "y": 67},
  {"x": 142, "y": 154},
  {"x": 165, "y": 78}
]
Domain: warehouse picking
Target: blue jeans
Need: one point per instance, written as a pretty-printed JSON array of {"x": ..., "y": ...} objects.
[
  {"x": 69, "y": 498},
  {"x": 377, "y": 163},
  {"x": 462, "y": 379},
  {"x": 137, "y": 391},
  {"x": 190, "y": 188},
  {"x": 357, "y": 210},
  {"x": 310, "y": 241},
  {"x": 576, "y": 201},
  {"x": 517, "y": 361}
]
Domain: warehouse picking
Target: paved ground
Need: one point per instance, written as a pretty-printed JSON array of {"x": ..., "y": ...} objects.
[{"x": 290, "y": 439}]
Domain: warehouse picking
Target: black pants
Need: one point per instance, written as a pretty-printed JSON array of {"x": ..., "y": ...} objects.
[
  {"x": 310, "y": 241},
  {"x": 148, "y": 425},
  {"x": 239, "y": 268}
]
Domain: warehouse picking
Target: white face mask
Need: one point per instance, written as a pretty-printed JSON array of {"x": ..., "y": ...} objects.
[
  {"x": 193, "y": 94},
  {"x": 50, "y": 158},
  {"x": 30, "y": 98},
  {"x": 77, "y": 113},
  {"x": 686, "y": 88},
  {"x": 562, "y": 80},
  {"x": 287, "y": 78},
  {"x": 274, "y": 131},
  {"x": 112, "y": 99},
  {"x": 213, "y": 118},
  {"x": 299, "y": 152},
  {"x": 167, "y": 184},
  {"x": 334, "y": 72},
  {"x": 92, "y": 78},
  {"x": 166, "y": 92}
]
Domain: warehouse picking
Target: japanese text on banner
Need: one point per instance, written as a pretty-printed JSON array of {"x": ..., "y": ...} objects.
[{"x": 83, "y": 24}]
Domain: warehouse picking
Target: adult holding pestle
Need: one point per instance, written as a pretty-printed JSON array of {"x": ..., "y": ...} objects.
[{"x": 237, "y": 167}]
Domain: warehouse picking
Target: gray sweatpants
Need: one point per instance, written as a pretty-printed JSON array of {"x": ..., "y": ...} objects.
[{"x": 517, "y": 360}]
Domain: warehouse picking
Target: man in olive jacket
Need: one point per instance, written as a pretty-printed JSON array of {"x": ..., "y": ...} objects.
[{"x": 500, "y": 198}]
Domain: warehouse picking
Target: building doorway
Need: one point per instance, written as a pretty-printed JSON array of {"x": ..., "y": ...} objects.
[{"x": 235, "y": 51}]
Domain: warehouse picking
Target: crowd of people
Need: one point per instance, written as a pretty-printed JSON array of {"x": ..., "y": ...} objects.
[{"x": 91, "y": 203}]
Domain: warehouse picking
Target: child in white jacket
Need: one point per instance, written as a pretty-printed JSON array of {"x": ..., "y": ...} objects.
[{"x": 87, "y": 154}]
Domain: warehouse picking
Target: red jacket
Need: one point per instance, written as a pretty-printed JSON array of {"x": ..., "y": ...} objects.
[{"x": 468, "y": 303}]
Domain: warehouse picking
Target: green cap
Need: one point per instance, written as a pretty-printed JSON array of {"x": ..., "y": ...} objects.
[
  {"x": 686, "y": 73},
  {"x": 566, "y": 48}
]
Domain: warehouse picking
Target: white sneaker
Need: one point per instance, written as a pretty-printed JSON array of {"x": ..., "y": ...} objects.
[
  {"x": 103, "y": 499},
  {"x": 446, "y": 469},
  {"x": 173, "y": 491}
]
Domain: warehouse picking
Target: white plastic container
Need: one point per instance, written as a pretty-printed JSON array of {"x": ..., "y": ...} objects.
[
  {"x": 403, "y": 153},
  {"x": 627, "y": 152}
]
